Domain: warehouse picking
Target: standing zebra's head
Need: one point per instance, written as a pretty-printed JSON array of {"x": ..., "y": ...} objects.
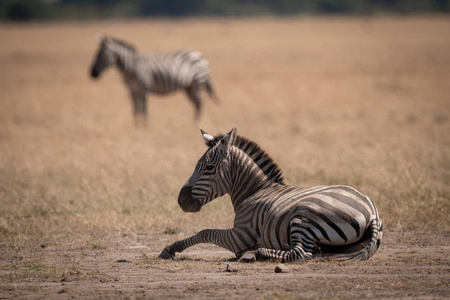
[
  {"x": 104, "y": 58},
  {"x": 107, "y": 54},
  {"x": 208, "y": 180}
]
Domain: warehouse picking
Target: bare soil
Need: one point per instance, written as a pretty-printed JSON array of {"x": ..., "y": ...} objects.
[{"x": 408, "y": 265}]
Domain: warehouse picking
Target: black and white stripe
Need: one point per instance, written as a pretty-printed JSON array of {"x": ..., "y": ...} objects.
[
  {"x": 159, "y": 74},
  {"x": 276, "y": 220}
]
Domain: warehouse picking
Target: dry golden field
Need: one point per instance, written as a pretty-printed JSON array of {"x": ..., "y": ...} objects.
[{"x": 332, "y": 100}]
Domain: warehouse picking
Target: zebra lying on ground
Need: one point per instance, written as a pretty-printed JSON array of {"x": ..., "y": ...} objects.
[
  {"x": 275, "y": 220},
  {"x": 159, "y": 74}
]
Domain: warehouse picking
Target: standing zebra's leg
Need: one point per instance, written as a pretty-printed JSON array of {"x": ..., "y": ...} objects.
[
  {"x": 210, "y": 90},
  {"x": 194, "y": 93},
  {"x": 135, "y": 99},
  {"x": 302, "y": 243},
  {"x": 144, "y": 109},
  {"x": 139, "y": 108},
  {"x": 224, "y": 238}
]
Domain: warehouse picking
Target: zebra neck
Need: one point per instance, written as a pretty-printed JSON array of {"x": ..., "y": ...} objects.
[
  {"x": 247, "y": 178},
  {"x": 126, "y": 61}
]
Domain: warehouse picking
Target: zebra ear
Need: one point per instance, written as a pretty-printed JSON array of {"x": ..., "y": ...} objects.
[
  {"x": 230, "y": 136},
  {"x": 227, "y": 141},
  {"x": 208, "y": 138},
  {"x": 100, "y": 38}
]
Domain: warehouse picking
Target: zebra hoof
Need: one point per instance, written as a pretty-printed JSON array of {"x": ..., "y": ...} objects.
[
  {"x": 165, "y": 254},
  {"x": 248, "y": 258}
]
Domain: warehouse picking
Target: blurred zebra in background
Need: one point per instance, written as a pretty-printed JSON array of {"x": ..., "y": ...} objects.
[
  {"x": 159, "y": 74},
  {"x": 277, "y": 221}
]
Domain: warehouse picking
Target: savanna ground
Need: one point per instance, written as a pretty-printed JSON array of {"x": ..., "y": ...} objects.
[{"x": 88, "y": 200}]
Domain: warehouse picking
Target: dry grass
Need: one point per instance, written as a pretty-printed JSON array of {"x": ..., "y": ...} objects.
[{"x": 332, "y": 100}]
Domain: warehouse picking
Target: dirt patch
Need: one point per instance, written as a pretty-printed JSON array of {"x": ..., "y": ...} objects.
[{"x": 408, "y": 265}]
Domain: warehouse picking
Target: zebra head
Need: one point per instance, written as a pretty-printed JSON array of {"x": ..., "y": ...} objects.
[
  {"x": 106, "y": 55},
  {"x": 208, "y": 180}
]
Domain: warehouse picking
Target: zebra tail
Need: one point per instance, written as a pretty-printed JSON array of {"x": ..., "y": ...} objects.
[
  {"x": 211, "y": 92},
  {"x": 376, "y": 233}
]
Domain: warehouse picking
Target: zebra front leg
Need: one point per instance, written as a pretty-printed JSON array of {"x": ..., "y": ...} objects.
[
  {"x": 169, "y": 251},
  {"x": 221, "y": 237},
  {"x": 144, "y": 109},
  {"x": 139, "y": 108},
  {"x": 135, "y": 100}
]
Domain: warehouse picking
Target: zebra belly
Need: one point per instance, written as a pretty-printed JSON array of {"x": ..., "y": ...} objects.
[{"x": 135, "y": 85}]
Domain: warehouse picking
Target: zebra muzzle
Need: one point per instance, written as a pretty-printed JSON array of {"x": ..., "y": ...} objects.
[
  {"x": 187, "y": 202},
  {"x": 94, "y": 73}
]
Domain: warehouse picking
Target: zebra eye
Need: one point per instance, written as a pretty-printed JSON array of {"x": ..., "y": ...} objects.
[{"x": 209, "y": 167}]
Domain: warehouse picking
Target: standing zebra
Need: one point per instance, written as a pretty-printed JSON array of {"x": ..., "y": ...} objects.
[
  {"x": 275, "y": 220},
  {"x": 159, "y": 74}
]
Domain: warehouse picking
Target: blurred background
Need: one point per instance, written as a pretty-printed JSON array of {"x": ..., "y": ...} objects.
[
  {"x": 23, "y": 10},
  {"x": 337, "y": 92}
]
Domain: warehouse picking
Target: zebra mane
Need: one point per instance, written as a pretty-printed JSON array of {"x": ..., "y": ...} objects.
[
  {"x": 257, "y": 154},
  {"x": 122, "y": 44}
]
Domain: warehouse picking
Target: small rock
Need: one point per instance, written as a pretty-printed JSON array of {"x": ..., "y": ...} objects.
[
  {"x": 247, "y": 258},
  {"x": 231, "y": 268},
  {"x": 123, "y": 261},
  {"x": 281, "y": 269}
]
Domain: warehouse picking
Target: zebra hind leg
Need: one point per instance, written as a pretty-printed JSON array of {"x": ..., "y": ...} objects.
[
  {"x": 210, "y": 90},
  {"x": 364, "y": 248},
  {"x": 194, "y": 94},
  {"x": 302, "y": 242},
  {"x": 297, "y": 252}
]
